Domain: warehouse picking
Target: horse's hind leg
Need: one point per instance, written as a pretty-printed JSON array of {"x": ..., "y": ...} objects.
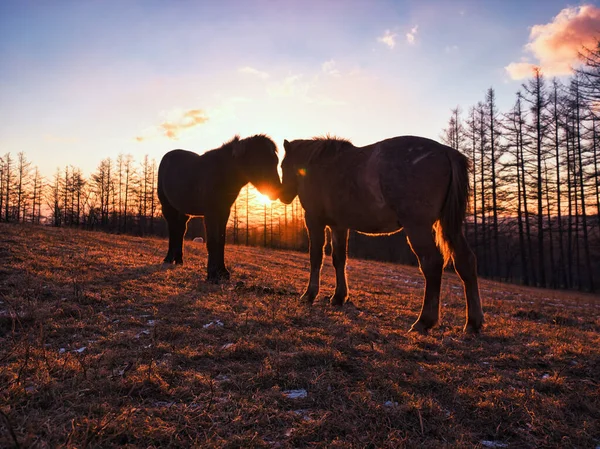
[
  {"x": 177, "y": 224},
  {"x": 340, "y": 251},
  {"x": 465, "y": 265},
  {"x": 431, "y": 265},
  {"x": 316, "y": 238}
]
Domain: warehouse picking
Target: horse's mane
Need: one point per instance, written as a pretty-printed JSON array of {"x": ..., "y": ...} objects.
[
  {"x": 236, "y": 139},
  {"x": 327, "y": 146},
  {"x": 329, "y": 138}
]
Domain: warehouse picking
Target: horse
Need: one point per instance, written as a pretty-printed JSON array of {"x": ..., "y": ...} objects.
[
  {"x": 406, "y": 182},
  {"x": 190, "y": 185}
]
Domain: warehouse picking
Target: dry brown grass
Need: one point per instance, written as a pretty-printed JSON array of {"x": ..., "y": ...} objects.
[{"x": 101, "y": 347}]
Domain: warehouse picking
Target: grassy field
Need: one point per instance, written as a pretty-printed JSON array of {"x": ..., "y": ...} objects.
[{"x": 100, "y": 346}]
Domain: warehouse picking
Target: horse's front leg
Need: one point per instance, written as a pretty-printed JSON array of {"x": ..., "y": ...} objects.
[
  {"x": 316, "y": 239},
  {"x": 215, "y": 224},
  {"x": 339, "y": 237},
  {"x": 222, "y": 271}
]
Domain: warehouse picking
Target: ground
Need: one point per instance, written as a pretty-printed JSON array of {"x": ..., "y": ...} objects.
[{"x": 101, "y": 346}]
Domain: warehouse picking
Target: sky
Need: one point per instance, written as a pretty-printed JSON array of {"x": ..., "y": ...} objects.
[{"x": 84, "y": 80}]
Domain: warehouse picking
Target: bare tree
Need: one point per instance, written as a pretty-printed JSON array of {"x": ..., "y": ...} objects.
[
  {"x": 514, "y": 125},
  {"x": 577, "y": 102},
  {"x": 556, "y": 126},
  {"x": 21, "y": 185},
  {"x": 589, "y": 74},
  {"x": 538, "y": 100},
  {"x": 36, "y": 198},
  {"x": 54, "y": 200},
  {"x": 8, "y": 181},
  {"x": 494, "y": 155}
]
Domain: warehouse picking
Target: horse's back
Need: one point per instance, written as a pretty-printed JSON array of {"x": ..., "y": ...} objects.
[
  {"x": 414, "y": 175},
  {"x": 176, "y": 159}
]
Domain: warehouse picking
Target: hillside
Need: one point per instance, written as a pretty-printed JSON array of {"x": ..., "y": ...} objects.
[{"x": 100, "y": 346}]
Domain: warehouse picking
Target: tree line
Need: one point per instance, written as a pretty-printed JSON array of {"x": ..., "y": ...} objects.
[
  {"x": 534, "y": 210},
  {"x": 120, "y": 196},
  {"x": 535, "y": 202}
]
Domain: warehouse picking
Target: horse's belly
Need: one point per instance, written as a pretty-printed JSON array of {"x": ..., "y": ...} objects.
[
  {"x": 379, "y": 228},
  {"x": 374, "y": 221}
]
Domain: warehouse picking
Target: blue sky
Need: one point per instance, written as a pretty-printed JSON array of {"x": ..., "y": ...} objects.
[{"x": 85, "y": 80}]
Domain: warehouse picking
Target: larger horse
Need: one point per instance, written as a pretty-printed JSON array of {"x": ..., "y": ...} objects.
[
  {"x": 409, "y": 183},
  {"x": 190, "y": 185}
]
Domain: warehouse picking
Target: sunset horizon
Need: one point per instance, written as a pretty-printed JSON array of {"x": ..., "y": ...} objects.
[{"x": 88, "y": 81}]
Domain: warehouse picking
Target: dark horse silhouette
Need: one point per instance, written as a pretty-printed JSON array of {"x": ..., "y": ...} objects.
[
  {"x": 403, "y": 182},
  {"x": 190, "y": 185}
]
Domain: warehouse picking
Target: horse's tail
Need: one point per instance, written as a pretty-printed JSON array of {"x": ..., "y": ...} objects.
[{"x": 448, "y": 228}]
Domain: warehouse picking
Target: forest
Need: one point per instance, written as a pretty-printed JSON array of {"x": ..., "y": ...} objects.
[
  {"x": 535, "y": 181},
  {"x": 533, "y": 216}
]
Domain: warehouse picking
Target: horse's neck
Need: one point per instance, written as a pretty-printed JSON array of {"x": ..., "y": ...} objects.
[{"x": 223, "y": 167}]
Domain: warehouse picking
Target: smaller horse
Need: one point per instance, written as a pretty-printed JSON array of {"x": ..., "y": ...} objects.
[
  {"x": 409, "y": 183},
  {"x": 190, "y": 185}
]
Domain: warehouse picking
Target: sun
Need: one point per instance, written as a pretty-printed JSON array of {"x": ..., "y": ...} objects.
[{"x": 263, "y": 200}]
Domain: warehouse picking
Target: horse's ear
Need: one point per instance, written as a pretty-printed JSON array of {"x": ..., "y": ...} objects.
[{"x": 285, "y": 144}]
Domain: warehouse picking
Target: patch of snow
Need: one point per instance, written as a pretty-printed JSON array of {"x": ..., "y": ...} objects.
[
  {"x": 163, "y": 403},
  {"x": 390, "y": 404},
  {"x": 62, "y": 350},
  {"x": 295, "y": 394},
  {"x": 227, "y": 346},
  {"x": 490, "y": 443},
  {"x": 80, "y": 350},
  {"x": 546, "y": 376},
  {"x": 144, "y": 332},
  {"x": 303, "y": 413},
  {"x": 213, "y": 323},
  {"x": 151, "y": 322}
]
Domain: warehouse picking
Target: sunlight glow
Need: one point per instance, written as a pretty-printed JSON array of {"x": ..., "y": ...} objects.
[{"x": 263, "y": 200}]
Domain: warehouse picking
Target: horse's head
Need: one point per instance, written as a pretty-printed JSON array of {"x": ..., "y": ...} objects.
[
  {"x": 290, "y": 173},
  {"x": 256, "y": 157}
]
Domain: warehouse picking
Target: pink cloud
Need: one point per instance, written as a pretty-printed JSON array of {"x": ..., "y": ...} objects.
[
  {"x": 188, "y": 119},
  {"x": 520, "y": 70},
  {"x": 556, "y": 45}
]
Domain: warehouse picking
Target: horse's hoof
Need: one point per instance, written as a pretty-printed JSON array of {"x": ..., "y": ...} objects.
[
  {"x": 420, "y": 327},
  {"x": 473, "y": 326},
  {"x": 212, "y": 279},
  {"x": 337, "y": 301},
  {"x": 307, "y": 299}
]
